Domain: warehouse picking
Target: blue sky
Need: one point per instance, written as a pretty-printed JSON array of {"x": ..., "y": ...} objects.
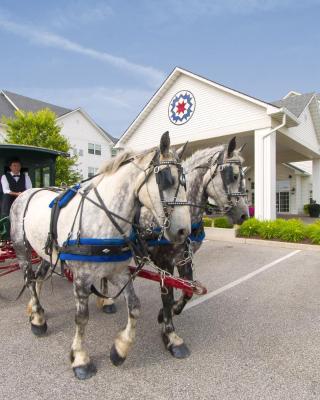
[{"x": 109, "y": 57}]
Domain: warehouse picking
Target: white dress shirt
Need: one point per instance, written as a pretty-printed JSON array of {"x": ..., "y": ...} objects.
[{"x": 5, "y": 183}]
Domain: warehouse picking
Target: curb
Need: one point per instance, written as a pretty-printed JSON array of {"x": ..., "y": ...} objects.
[{"x": 213, "y": 234}]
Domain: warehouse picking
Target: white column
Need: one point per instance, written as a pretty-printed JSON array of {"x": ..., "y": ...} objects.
[
  {"x": 298, "y": 194},
  {"x": 316, "y": 180},
  {"x": 265, "y": 174}
]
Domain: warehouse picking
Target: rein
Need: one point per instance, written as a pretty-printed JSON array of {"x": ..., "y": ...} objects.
[{"x": 84, "y": 249}]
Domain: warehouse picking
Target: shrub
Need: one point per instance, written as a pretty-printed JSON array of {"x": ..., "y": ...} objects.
[
  {"x": 292, "y": 230},
  {"x": 207, "y": 222},
  {"x": 313, "y": 232},
  {"x": 249, "y": 228},
  {"x": 222, "y": 222},
  {"x": 269, "y": 229},
  {"x": 306, "y": 209}
]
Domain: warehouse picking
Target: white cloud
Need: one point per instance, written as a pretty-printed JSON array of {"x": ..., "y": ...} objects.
[{"x": 48, "y": 39}]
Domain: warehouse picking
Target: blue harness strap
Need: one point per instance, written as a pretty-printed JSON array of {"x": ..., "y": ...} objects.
[
  {"x": 66, "y": 196},
  {"x": 118, "y": 255},
  {"x": 197, "y": 235},
  {"x": 104, "y": 258}
]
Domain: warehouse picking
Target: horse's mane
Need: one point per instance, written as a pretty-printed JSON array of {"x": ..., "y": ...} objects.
[
  {"x": 111, "y": 166},
  {"x": 202, "y": 156}
]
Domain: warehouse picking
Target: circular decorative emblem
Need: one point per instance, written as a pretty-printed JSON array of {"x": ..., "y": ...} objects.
[{"x": 181, "y": 107}]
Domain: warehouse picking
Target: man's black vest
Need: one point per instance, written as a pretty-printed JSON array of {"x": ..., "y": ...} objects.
[{"x": 8, "y": 199}]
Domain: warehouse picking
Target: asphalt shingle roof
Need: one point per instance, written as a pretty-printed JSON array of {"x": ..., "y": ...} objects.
[
  {"x": 114, "y": 140},
  {"x": 28, "y": 104},
  {"x": 295, "y": 104}
]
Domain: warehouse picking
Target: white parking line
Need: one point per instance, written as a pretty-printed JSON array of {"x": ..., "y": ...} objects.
[{"x": 237, "y": 282}]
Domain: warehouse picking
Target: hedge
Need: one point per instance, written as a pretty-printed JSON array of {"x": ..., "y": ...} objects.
[
  {"x": 220, "y": 222},
  {"x": 292, "y": 230}
]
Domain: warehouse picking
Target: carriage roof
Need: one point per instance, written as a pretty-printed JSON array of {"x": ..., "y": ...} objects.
[{"x": 39, "y": 162}]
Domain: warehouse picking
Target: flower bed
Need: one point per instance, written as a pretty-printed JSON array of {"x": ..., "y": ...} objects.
[{"x": 292, "y": 230}]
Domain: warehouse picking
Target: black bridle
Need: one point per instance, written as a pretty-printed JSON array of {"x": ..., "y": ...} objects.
[
  {"x": 165, "y": 181},
  {"x": 225, "y": 168}
]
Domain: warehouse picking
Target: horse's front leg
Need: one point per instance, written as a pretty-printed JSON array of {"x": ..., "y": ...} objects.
[
  {"x": 107, "y": 305},
  {"x": 185, "y": 272},
  {"x": 82, "y": 367},
  {"x": 172, "y": 341},
  {"x": 125, "y": 338}
]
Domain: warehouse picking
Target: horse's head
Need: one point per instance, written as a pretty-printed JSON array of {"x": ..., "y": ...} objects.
[
  {"x": 161, "y": 189},
  {"x": 225, "y": 182}
]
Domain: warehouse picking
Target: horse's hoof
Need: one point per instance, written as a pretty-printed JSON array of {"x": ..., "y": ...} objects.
[
  {"x": 180, "y": 351},
  {"x": 160, "y": 316},
  {"x": 115, "y": 358},
  {"x": 39, "y": 330},
  {"x": 109, "y": 308},
  {"x": 85, "y": 371}
]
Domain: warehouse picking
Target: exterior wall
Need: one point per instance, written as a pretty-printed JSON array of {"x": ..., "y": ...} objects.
[
  {"x": 305, "y": 133},
  {"x": 216, "y": 113},
  {"x": 282, "y": 173},
  {"x": 80, "y": 132}
]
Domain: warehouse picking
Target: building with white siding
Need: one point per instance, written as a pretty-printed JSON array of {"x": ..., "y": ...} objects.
[
  {"x": 92, "y": 144},
  {"x": 277, "y": 134}
]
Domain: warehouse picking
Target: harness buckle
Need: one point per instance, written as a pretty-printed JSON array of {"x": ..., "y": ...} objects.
[{"x": 166, "y": 223}]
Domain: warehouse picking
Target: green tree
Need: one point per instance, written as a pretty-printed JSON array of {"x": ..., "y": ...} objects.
[{"x": 40, "y": 129}]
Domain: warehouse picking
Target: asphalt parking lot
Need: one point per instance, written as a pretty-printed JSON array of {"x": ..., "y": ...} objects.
[{"x": 254, "y": 336}]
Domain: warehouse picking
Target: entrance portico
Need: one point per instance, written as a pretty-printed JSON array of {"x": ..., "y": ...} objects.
[{"x": 206, "y": 114}]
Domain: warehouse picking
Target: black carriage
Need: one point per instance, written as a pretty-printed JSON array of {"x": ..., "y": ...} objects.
[{"x": 38, "y": 162}]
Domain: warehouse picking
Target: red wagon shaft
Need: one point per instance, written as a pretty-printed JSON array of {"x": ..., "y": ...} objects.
[{"x": 188, "y": 287}]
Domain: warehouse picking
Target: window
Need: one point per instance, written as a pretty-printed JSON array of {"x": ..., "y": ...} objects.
[
  {"x": 94, "y": 149},
  {"x": 113, "y": 152},
  {"x": 92, "y": 171},
  {"x": 90, "y": 148},
  {"x": 283, "y": 202}
]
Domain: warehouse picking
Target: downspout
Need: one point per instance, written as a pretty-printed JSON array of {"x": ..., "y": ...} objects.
[{"x": 283, "y": 123}]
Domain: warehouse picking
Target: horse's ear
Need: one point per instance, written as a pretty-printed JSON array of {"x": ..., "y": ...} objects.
[
  {"x": 165, "y": 144},
  {"x": 242, "y": 147},
  {"x": 231, "y": 147},
  {"x": 180, "y": 151}
]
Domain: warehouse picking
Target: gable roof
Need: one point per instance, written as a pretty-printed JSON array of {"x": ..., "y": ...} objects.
[
  {"x": 19, "y": 102},
  {"x": 295, "y": 103},
  {"x": 101, "y": 131},
  {"x": 271, "y": 109}
]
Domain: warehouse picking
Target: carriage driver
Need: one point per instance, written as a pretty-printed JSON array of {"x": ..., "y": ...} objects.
[{"x": 13, "y": 184}]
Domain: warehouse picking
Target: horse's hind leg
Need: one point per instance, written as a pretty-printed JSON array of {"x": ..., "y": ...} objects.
[
  {"x": 82, "y": 367},
  {"x": 36, "y": 312},
  {"x": 126, "y": 338},
  {"x": 107, "y": 305},
  {"x": 40, "y": 276}
]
